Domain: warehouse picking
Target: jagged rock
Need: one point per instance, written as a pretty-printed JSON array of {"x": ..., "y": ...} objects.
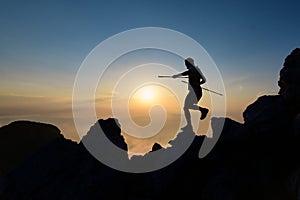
[
  {"x": 111, "y": 129},
  {"x": 289, "y": 81},
  {"x": 256, "y": 159},
  {"x": 66, "y": 170},
  {"x": 156, "y": 147},
  {"x": 19, "y": 139}
]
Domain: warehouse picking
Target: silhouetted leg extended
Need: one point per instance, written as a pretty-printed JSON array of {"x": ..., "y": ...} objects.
[
  {"x": 204, "y": 111},
  {"x": 189, "y": 103},
  {"x": 187, "y": 115}
]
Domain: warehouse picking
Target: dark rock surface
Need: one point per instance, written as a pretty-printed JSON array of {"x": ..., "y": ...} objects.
[
  {"x": 20, "y": 139},
  {"x": 66, "y": 170},
  {"x": 110, "y": 128},
  {"x": 289, "y": 81},
  {"x": 242, "y": 165}
]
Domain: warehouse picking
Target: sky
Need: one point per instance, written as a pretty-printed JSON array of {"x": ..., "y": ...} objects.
[{"x": 43, "y": 44}]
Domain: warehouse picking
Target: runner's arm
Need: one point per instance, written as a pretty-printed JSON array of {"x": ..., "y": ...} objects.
[{"x": 186, "y": 73}]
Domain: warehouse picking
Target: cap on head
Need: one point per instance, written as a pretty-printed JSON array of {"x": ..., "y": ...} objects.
[{"x": 190, "y": 61}]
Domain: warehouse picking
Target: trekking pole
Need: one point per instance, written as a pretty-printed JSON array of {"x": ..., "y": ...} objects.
[
  {"x": 207, "y": 89},
  {"x": 163, "y": 76}
]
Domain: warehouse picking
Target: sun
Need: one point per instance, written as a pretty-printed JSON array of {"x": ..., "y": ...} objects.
[{"x": 146, "y": 94}]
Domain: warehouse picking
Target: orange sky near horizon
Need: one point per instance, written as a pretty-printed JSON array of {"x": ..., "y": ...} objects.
[{"x": 55, "y": 105}]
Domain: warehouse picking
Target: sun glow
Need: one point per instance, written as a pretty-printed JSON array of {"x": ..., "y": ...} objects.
[{"x": 146, "y": 94}]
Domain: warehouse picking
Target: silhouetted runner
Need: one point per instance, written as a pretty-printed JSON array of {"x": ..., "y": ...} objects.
[{"x": 196, "y": 79}]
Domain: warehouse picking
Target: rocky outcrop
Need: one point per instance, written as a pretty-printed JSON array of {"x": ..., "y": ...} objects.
[
  {"x": 111, "y": 129},
  {"x": 20, "y": 139},
  {"x": 240, "y": 166},
  {"x": 66, "y": 170},
  {"x": 259, "y": 158},
  {"x": 289, "y": 81}
]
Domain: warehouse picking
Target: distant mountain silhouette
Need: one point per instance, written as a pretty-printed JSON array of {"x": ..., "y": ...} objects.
[{"x": 257, "y": 159}]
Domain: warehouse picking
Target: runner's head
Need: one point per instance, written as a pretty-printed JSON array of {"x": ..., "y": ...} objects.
[{"x": 189, "y": 62}]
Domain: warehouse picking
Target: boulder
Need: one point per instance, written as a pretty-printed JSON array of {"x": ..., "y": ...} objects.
[{"x": 20, "y": 139}]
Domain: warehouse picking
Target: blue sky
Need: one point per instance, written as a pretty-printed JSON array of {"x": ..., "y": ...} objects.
[
  {"x": 43, "y": 43},
  {"x": 56, "y": 34}
]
